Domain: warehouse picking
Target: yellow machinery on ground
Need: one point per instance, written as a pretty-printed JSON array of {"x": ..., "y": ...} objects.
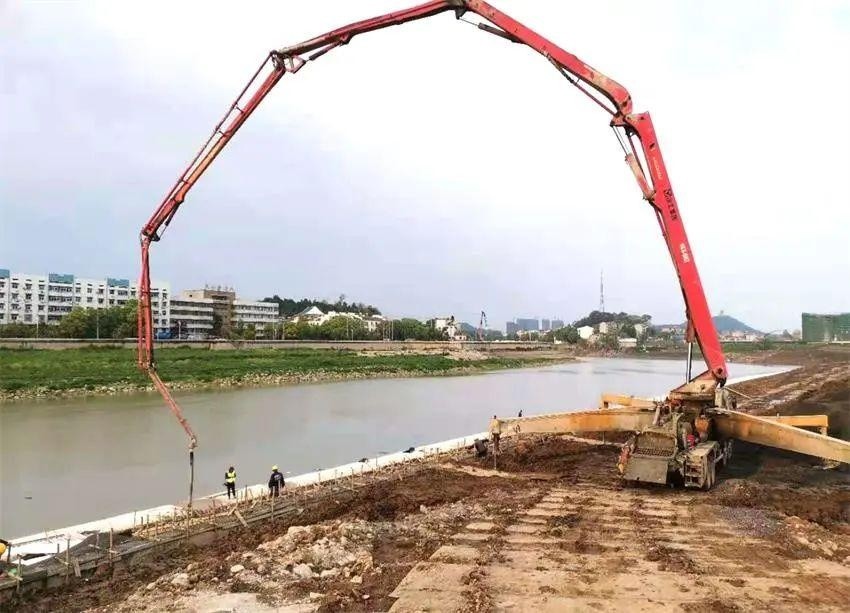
[{"x": 668, "y": 447}]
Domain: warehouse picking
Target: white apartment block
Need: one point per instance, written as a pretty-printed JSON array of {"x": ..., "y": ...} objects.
[
  {"x": 192, "y": 317},
  {"x": 373, "y": 322},
  {"x": 259, "y": 314},
  {"x": 196, "y": 309},
  {"x": 46, "y": 299}
]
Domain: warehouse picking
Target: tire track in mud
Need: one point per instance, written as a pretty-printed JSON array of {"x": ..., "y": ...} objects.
[{"x": 587, "y": 546}]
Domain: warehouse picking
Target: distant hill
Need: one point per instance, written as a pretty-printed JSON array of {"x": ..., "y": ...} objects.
[
  {"x": 472, "y": 332},
  {"x": 597, "y": 317},
  {"x": 724, "y": 324},
  {"x": 727, "y": 323}
]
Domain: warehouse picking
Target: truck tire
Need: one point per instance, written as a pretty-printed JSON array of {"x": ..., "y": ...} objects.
[{"x": 709, "y": 476}]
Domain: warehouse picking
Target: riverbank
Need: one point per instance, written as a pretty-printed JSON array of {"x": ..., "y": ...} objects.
[
  {"x": 455, "y": 534},
  {"x": 100, "y": 371},
  {"x": 99, "y": 441}
]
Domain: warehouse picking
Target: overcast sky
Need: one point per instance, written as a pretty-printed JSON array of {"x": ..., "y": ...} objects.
[{"x": 432, "y": 168}]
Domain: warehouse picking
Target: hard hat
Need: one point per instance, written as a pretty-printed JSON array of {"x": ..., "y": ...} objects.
[{"x": 274, "y": 467}]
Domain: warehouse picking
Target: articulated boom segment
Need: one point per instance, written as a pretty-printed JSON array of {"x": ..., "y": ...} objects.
[
  {"x": 672, "y": 444},
  {"x": 635, "y": 132},
  {"x": 783, "y": 432},
  {"x": 580, "y": 422}
]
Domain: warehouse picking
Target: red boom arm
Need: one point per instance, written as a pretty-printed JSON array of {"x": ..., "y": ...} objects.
[{"x": 650, "y": 172}]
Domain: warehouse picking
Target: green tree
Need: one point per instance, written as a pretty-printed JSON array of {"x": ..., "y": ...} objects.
[
  {"x": 413, "y": 329},
  {"x": 627, "y": 330},
  {"x": 216, "y": 327},
  {"x": 113, "y": 322},
  {"x": 17, "y": 330},
  {"x": 609, "y": 341},
  {"x": 74, "y": 325},
  {"x": 343, "y": 328},
  {"x": 595, "y": 318},
  {"x": 121, "y": 322},
  {"x": 237, "y": 332},
  {"x": 568, "y": 335}
]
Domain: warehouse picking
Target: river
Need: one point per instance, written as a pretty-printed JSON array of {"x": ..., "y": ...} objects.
[{"x": 64, "y": 462}]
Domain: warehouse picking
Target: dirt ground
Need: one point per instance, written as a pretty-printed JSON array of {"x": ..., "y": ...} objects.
[{"x": 552, "y": 529}]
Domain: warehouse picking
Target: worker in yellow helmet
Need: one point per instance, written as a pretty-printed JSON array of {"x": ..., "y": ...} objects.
[
  {"x": 4, "y": 545},
  {"x": 276, "y": 482}
]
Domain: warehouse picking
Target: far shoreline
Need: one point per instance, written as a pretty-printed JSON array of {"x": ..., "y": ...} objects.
[
  {"x": 253, "y": 380},
  {"x": 102, "y": 371}
]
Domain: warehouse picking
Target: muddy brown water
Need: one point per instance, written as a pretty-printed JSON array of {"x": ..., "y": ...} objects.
[{"x": 64, "y": 462}]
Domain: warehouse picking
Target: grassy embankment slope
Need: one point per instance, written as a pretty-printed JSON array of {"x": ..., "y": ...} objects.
[{"x": 44, "y": 372}]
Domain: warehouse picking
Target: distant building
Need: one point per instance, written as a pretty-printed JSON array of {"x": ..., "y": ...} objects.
[
  {"x": 545, "y": 325},
  {"x": 254, "y": 313},
  {"x": 608, "y": 327},
  {"x": 740, "y": 336},
  {"x": 231, "y": 311},
  {"x": 676, "y": 329},
  {"x": 222, "y": 304},
  {"x": 373, "y": 322},
  {"x": 641, "y": 329},
  {"x": 192, "y": 318},
  {"x": 627, "y": 343},
  {"x": 449, "y": 327},
  {"x": 45, "y": 299},
  {"x": 826, "y": 328},
  {"x": 442, "y": 323},
  {"x": 528, "y": 325},
  {"x": 528, "y": 335},
  {"x": 585, "y": 332},
  {"x": 311, "y": 315},
  {"x": 314, "y": 316},
  {"x": 557, "y": 324},
  {"x": 511, "y": 328}
]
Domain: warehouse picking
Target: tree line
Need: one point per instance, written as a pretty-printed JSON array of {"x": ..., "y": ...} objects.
[
  {"x": 343, "y": 328},
  {"x": 112, "y": 322},
  {"x": 597, "y": 317},
  {"x": 624, "y": 327},
  {"x": 287, "y": 307}
]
